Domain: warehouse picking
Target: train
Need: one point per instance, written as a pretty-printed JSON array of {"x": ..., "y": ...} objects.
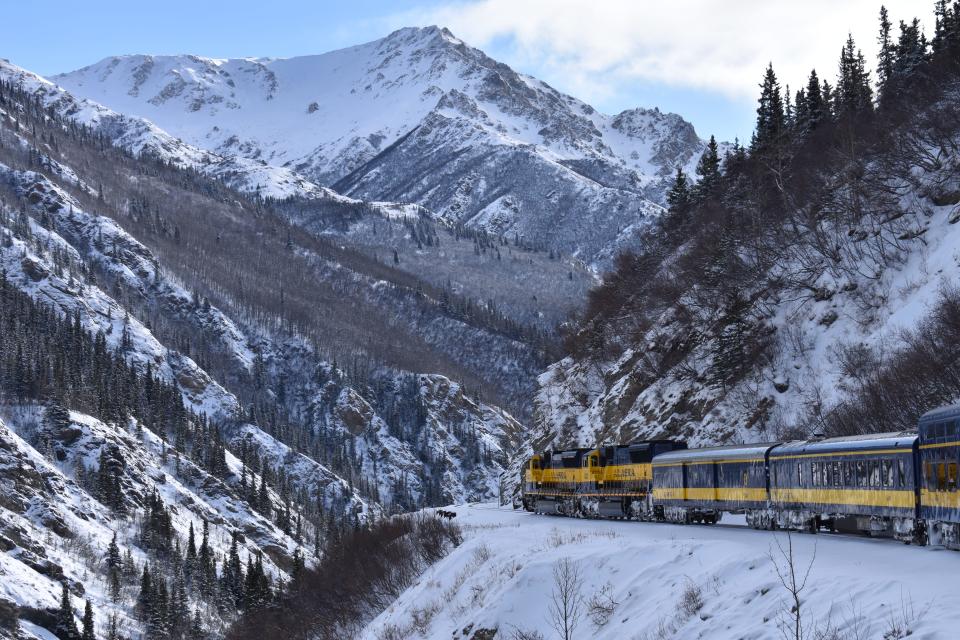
[{"x": 901, "y": 485}]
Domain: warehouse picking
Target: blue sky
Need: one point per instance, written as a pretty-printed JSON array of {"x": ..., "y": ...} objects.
[{"x": 699, "y": 58}]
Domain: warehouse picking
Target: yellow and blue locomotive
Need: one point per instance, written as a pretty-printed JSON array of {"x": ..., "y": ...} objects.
[{"x": 611, "y": 482}]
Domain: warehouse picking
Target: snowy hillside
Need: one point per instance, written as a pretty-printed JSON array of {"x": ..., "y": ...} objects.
[
  {"x": 660, "y": 581},
  {"x": 418, "y": 116},
  {"x": 817, "y": 297},
  {"x": 137, "y": 136}
]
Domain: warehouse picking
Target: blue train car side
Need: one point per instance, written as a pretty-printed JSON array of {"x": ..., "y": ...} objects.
[
  {"x": 861, "y": 483},
  {"x": 939, "y": 439}
]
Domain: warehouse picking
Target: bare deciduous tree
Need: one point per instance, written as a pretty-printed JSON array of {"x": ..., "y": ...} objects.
[
  {"x": 566, "y": 599},
  {"x": 794, "y": 579}
]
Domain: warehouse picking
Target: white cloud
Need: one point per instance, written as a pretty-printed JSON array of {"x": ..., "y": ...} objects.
[{"x": 716, "y": 45}]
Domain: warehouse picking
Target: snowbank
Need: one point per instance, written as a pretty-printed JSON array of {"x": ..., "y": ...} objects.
[{"x": 671, "y": 581}]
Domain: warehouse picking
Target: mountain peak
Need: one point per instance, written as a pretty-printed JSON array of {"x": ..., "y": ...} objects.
[
  {"x": 337, "y": 119},
  {"x": 431, "y": 33}
]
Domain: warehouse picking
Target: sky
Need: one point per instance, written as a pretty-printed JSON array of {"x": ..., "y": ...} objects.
[{"x": 702, "y": 59}]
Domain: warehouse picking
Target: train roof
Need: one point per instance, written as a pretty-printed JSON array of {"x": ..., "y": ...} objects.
[
  {"x": 868, "y": 442},
  {"x": 567, "y": 453},
  {"x": 946, "y": 411},
  {"x": 645, "y": 444},
  {"x": 727, "y": 452}
]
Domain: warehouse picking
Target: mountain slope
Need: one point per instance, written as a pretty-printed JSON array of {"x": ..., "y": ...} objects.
[
  {"x": 814, "y": 291},
  {"x": 375, "y": 119},
  {"x": 267, "y": 440}
]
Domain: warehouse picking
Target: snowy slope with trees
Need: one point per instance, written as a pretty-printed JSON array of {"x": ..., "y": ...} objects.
[{"x": 804, "y": 284}]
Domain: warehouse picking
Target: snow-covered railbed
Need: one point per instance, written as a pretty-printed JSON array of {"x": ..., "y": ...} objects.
[{"x": 658, "y": 581}]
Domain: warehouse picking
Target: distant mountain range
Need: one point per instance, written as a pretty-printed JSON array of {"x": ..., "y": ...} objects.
[{"x": 419, "y": 117}]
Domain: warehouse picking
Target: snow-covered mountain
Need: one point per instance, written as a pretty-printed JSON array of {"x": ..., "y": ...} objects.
[
  {"x": 342, "y": 448},
  {"x": 418, "y": 116}
]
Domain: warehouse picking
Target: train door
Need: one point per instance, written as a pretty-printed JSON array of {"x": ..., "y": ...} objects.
[{"x": 594, "y": 472}]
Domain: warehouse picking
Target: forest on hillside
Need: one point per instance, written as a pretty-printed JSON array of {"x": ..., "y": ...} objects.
[{"x": 832, "y": 193}]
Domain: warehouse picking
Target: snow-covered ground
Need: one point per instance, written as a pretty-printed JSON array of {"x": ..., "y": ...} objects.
[{"x": 672, "y": 581}]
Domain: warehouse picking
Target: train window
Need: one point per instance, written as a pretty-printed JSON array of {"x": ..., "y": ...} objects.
[
  {"x": 874, "y": 473},
  {"x": 859, "y": 475},
  {"x": 941, "y": 476},
  {"x": 951, "y": 476},
  {"x": 800, "y": 474},
  {"x": 886, "y": 473},
  {"x": 837, "y": 474},
  {"x": 814, "y": 474},
  {"x": 901, "y": 474}
]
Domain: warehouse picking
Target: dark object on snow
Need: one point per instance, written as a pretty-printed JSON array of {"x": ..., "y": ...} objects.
[{"x": 449, "y": 515}]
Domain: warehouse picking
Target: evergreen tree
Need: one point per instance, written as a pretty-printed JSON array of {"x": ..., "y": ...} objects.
[
  {"x": 146, "y": 597},
  {"x": 65, "y": 626},
  {"x": 770, "y": 113},
  {"x": 296, "y": 573},
  {"x": 56, "y": 417},
  {"x": 190, "y": 562},
  {"x": 196, "y": 627},
  {"x": 828, "y": 95},
  {"x": 886, "y": 56},
  {"x": 206, "y": 562},
  {"x": 87, "y": 632},
  {"x": 708, "y": 170},
  {"x": 854, "y": 95},
  {"x": 911, "y": 51},
  {"x": 814, "y": 110},
  {"x": 114, "y": 567},
  {"x": 110, "y": 469},
  {"x": 232, "y": 585},
  {"x": 678, "y": 197}
]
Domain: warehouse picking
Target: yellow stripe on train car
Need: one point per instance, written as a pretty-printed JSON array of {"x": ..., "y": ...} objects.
[
  {"x": 722, "y": 494},
  {"x": 742, "y": 494},
  {"x": 834, "y": 454},
  {"x": 947, "y": 499},
  {"x": 851, "y": 497},
  {"x": 940, "y": 445},
  {"x": 626, "y": 472},
  {"x": 669, "y": 493},
  {"x": 691, "y": 463}
]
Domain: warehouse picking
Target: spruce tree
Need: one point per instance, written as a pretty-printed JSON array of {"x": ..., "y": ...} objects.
[
  {"x": 114, "y": 567},
  {"x": 190, "y": 562},
  {"x": 87, "y": 632},
  {"x": 886, "y": 55},
  {"x": 56, "y": 417},
  {"x": 770, "y": 114},
  {"x": 815, "y": 111},
  {"x": 678, "y": 197},
  {"x": 708, "y": 170},
  {"x": 146, "y": 597},
  {"x": 854, "y": 95},
  {"x": 65, "y": 626}
]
